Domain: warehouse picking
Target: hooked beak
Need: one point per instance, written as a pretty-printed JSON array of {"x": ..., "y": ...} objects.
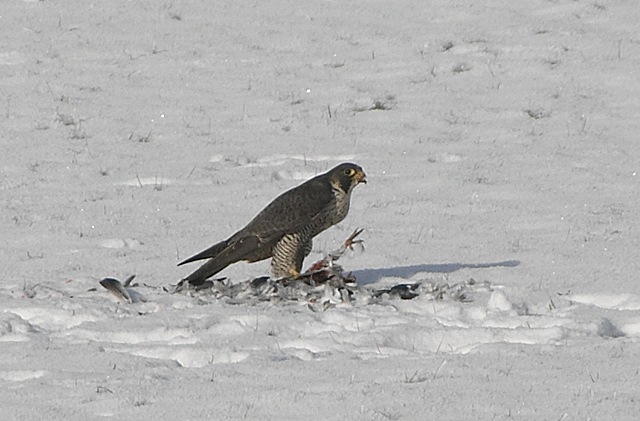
[{"x": 361, "y": 177}]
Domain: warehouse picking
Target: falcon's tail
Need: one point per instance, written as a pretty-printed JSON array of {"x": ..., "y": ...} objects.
[
  {"x": 213, "y": 266},
  {"x": 222, "y": 255},
  {"x": 209, "y": 253},
  {"x": 205, "y": 272}
]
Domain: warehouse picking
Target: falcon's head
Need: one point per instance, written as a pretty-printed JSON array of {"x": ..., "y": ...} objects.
[{"x": 347, "y": 176}]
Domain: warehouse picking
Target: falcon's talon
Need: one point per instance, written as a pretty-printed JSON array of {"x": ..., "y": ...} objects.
[
  {"x": 350, "y": 241},
  {"x": 294, "y": 273},
  {"x": 285, "y": 228}
]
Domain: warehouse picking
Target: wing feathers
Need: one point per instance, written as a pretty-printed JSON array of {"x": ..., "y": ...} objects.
[{"x": 291, "y": 210}]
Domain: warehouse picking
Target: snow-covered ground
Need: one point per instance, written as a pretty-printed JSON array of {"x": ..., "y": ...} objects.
[{"x": 500, "y": 143}]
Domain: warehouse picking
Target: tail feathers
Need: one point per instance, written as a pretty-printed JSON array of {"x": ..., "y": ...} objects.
[
  {"x": 204, "y": 272},
  {"x": 221, "y": 255},
  {"x": 209, "y": 253}
]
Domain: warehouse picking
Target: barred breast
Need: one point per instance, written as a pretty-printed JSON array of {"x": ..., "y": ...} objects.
[{"x": 290, "y": 251}]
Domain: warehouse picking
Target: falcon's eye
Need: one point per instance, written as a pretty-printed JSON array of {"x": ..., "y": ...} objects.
[{"x": 350, "y": 172}]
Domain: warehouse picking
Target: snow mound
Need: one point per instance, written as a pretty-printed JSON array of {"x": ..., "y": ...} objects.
[
  {"x": 228, "y": 323},
  {"x": 608, "y": 301}
]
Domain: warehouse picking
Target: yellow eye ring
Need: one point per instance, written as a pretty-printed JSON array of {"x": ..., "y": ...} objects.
[{"x": 350, "y": 172}]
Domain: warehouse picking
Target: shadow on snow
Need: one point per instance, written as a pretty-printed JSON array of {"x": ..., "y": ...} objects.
[{"x": 369, "y": 276}]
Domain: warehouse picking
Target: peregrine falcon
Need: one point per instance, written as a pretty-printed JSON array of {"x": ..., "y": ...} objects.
[{"x": 284, "y": 230}]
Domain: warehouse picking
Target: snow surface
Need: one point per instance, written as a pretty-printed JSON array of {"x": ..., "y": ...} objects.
[{"x": 500, "y": 142}]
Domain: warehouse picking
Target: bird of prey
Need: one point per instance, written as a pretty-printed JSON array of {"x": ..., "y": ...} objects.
[{"x": 284, "y": 230}]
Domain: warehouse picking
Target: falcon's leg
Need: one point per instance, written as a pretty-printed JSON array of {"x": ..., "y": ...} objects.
[
  {"x": 288, "y": 255},
  {"x": 307, "y": 248}
]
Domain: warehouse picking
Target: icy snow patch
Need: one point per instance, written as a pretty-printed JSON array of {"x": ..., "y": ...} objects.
[
  {"x": 13, "y": 328},
  {"x": 147, "y": 181},
  {"x": 608, "y": 301},
  {"x": 170, "y": 336},
  {"x": 190, "y": 357},
  {"x": 499, "y": 301},
  {"x": 21, "y": 375},
  {"x": 117, "y": 243},
  {"x": 52, "y": 319},
  {"x": 276, "y": 160}
]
